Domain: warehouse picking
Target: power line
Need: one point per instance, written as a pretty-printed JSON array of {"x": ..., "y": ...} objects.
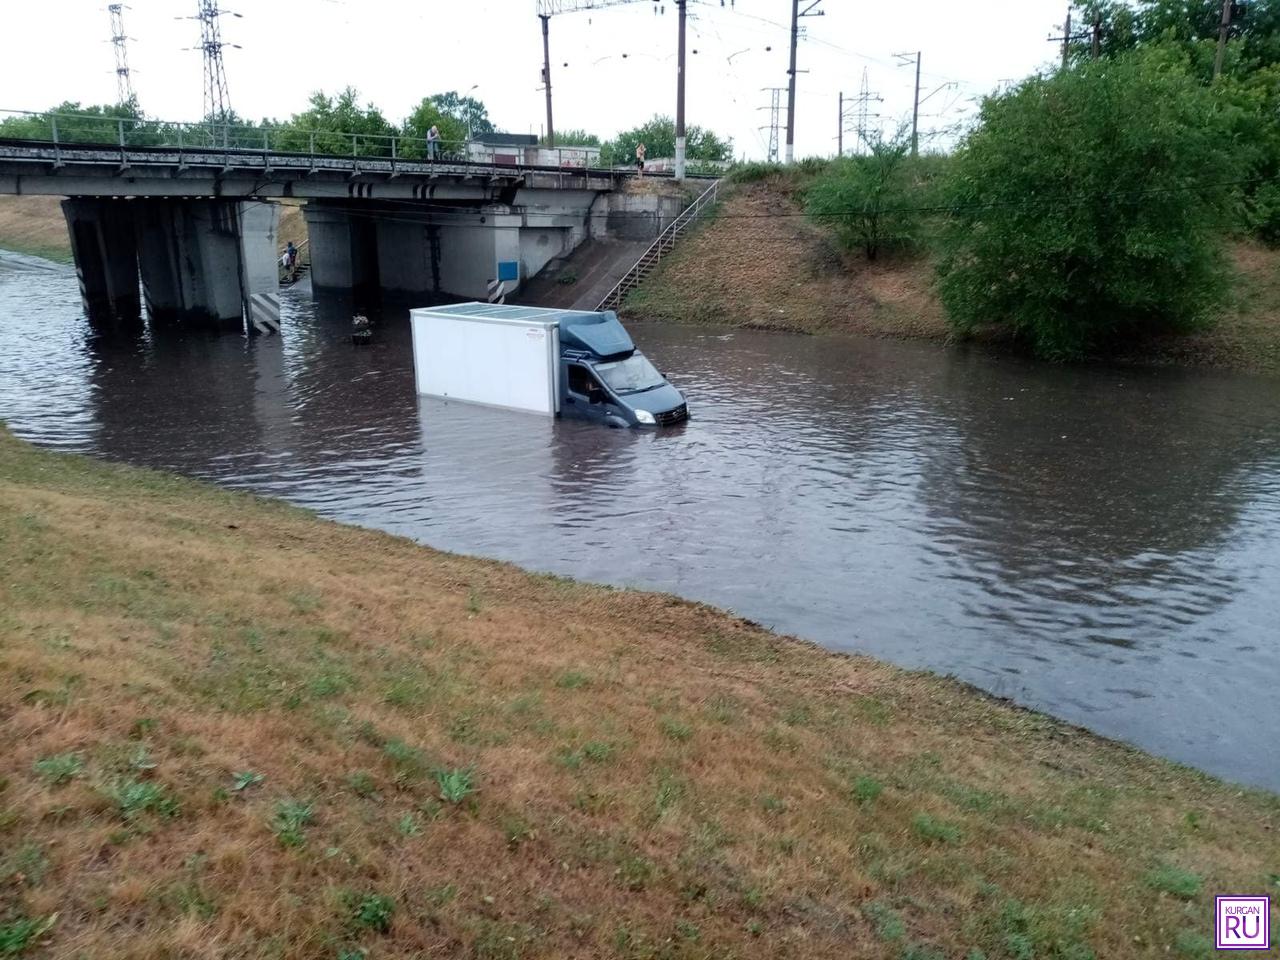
[{"x": 124, "y": 83}]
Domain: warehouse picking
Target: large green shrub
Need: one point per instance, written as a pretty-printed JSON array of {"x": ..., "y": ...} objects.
[
  {"x": 1087, "y": 206},
  {"x": 873, "y": 202}
]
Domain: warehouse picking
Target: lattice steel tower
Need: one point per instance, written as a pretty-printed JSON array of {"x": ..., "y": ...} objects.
[
  {"x": 124, "y": 84},
  {"x": 217, "y": 102}
]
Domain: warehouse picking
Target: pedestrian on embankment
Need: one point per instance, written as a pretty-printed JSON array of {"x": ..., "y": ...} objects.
[
  {"x": 433, "y": 142},
  {"x": 640, "y": 152}
]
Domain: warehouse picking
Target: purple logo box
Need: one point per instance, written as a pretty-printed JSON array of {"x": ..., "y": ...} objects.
[{"x": 1242, "y": 923}]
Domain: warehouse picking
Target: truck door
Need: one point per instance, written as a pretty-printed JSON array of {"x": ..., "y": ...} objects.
[{"x": 583, "y": 396}]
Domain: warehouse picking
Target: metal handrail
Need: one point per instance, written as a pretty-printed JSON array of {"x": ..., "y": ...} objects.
[
  {"x": 665, "y": 241},
  {"x": 67, "y": 129}
]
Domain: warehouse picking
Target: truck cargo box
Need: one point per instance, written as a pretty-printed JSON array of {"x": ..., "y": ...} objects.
[{"x": 501, "y": 356}]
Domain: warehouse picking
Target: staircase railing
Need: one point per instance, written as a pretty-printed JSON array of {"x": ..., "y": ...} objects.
[{"x": 653, "y": 256}]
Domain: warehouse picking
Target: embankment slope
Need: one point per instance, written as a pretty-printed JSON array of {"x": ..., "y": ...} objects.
[
  {"x": 761, "y": 264},
  {"x": 233, "y": 729}
]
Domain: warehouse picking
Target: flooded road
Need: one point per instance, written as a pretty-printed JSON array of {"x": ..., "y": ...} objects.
[{"x": 1101, "y": 544}]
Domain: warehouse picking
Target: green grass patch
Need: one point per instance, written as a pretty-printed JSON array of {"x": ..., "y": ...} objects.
[
  {"x": 934, "y": 830},
  {"x": 1174, "y": 881}
]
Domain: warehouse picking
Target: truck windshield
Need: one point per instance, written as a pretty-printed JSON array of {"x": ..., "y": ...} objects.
[{"x": 631, "y": 375}]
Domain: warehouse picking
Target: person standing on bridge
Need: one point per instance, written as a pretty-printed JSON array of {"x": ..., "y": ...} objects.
[
  {"x": 433, "y": 142},
  {"x": 640, "y": 152}
]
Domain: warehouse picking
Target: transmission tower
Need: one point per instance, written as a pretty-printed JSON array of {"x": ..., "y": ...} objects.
[
  {"x": 217, "y": 102},
  {"x": 775, "y": 119},
  {"x": 124, "y": 84},
  {"x": 862, "y": 104}
]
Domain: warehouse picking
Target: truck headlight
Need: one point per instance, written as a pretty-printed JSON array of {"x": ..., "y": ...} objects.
[{"x": 644, "y": 416}]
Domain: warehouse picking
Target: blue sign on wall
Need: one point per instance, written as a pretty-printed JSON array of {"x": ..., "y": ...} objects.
[{"x": 508, "y": 269}]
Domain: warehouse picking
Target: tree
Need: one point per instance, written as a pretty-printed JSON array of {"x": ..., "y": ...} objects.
[
  {"x": 79, "y": 123},
  {"x": 337, "y": 125},
  {"x": 1087, "y": 206},
  {"x": 871, "y": 201},
  {"x": 472, "y": 113},
  {"x": 573, "y": 138},
  {"x": 453, "y": 131},
  {"x": 659, "y": 137},
  {"x": 1190, "y": 25}
]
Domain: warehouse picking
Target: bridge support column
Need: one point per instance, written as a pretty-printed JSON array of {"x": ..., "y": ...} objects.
[
  {"x": 344, "y": 251},
  {"x": 106, "y": 256},
  {"x": 470, "y": 252},
  {"x": 201, "y": 260}
]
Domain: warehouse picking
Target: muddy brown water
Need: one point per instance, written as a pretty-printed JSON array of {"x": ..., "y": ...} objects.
[{"x": 1101, "y": 544}]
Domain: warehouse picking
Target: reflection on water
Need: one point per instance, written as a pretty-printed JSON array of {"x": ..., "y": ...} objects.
[{"x": 1102, "y": 544}]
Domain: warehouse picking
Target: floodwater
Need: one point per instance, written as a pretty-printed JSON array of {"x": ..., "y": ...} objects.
[{"x": 1102, "y": 544}]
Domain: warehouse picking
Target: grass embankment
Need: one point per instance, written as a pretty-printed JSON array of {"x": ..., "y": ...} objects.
[
  {"x": 233, "y": 729},
  {"x": 35, "y": 226},
  {"x": 762, "y": 264}
]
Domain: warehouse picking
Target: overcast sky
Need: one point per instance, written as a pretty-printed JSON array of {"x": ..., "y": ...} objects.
[{"x": 397, "y": 51}]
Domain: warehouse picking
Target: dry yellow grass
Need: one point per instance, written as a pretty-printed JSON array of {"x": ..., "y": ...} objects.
[
  {"x": 652, "y": 778},
  {"x": 34, "y": 226}
]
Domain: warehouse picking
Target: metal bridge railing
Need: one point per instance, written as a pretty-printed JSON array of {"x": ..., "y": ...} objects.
[
  {"x": 666, "y": 240},
  {"x": 266, "y": 139}
]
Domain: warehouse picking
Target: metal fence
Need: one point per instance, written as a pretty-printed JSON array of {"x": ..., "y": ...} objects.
[{"x": 124, "y": 133}]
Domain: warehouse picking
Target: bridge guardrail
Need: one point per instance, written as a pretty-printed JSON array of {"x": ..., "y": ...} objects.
[{"x": 123, "y": 133}]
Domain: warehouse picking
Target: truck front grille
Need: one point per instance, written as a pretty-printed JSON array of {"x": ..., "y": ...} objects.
[{"x": 672, "y": 417}]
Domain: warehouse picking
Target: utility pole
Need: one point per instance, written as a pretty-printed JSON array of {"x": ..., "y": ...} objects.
[
  {"x": 546, "y": 73},
  {"x": 915, "y": 109},
  {"x": 124, "y": 85},
  {"x": 1097, "y": 35},
  {"x": 1068, "y": 36},
  {"x": 680, "y": 69},
  {"x": 1223, "y": 30},
  {"x": 840, "y": 129},
  {"x": 796, "y": 14},
  {"x": 1066, "y": 39}
]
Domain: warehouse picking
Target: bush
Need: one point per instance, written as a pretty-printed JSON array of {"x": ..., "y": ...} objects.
[
  {"x": 1086, "y": 207},
  {"x": 874, "y": 202}
]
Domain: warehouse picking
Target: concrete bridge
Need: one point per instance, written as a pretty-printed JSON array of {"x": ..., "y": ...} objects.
[{"x": 191, "y": 212}]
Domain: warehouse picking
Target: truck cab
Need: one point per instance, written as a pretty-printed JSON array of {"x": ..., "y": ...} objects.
[{"x": 603, "y": 376}]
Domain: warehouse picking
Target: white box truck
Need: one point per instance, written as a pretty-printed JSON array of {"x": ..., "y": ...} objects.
[{"x": 556, "y": 362}]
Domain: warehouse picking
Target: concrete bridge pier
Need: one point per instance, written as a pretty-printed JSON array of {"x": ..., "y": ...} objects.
[
  {"x": 106, "y": 257},
  {"x": 402, "y": 253},
  {"x": 201, "y": 260}
]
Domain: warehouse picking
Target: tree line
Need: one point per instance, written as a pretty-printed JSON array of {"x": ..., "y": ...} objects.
[{"x": 342, "y": 124}]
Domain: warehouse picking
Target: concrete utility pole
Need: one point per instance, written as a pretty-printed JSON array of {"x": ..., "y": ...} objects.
[
  {"x": 1066, "y": 39},
  {"x": 546, "y": 73},
  {"x": 1223, "y": 30},
  {"x": 1097, "y": 35},
  {"x": 840, "y": 129},
  {"x": 915, "y": 109},
  {"x": 680, "y": 70},
  {"x": 796, "y": 14}
]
